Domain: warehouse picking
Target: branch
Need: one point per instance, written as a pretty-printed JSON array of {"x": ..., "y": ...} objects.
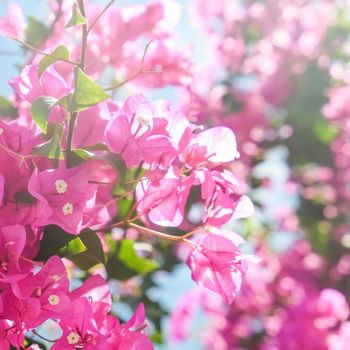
[
  {"x": 161, "y": 235},
  {"x": 44, "y": 338},
  {"x": 139, "y": 72},
  {"x": 100, "y": 15},
  {"x": 74, "y": 115},
  {"x": 84, "y": 36},
  {"x": 40, "y": 52}
]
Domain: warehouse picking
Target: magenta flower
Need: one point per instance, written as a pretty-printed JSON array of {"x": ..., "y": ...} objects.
[
  {"x": 223, "y": 195},
  {"x": 217, "y": 263},
  {"x": 61, "y": 197},
  {"x": 14, "y": 23},
  {"x": 12, "y": 244},
  {"x": 213, "y": 146},
  {"x": 138, "y": 134},
  {"x": 46, "y": 293},
  {"x": 163, "y": 196}
]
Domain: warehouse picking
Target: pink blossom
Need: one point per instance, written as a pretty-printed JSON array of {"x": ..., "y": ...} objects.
[
  {"x": 163, "y": 196},
  {"x": 14, "y": 23},
  {"x": 213, "y": 146},
  {"x": 217, "y": 264},
  {"x": 46, "y": 293},
  {"x": 137, "y": 134},
  {"x": 61, "y": 196},
  {"x": 12, "y": 243}
]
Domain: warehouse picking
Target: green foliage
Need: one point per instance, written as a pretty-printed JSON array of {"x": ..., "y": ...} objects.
[
  {"x": 52, "y": 148},
  {"x": 124, "y": 262},
  {"x": 128, "y": 256},
  {"x": 87, "y": 93},
  {"x": 36, "y": 31},
  {"x": 304, "y": 114},
  {"x": 40, "y": 111},
  {"x": 93, "y": 254},
  {"x": 85, "y": 249},
  {"x": 324, "y": 132},
  {"x": 58, "y": 242},
  {"x": 24, "y": 197},
  {"x": 77, "y": 18},
  {"x": 6, "y": 108},
  {"x": 78, "y": 156},
  {"x": 61, "y": 53}
]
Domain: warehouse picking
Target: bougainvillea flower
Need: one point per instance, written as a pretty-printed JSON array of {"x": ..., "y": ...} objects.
[
  {"x": 50, "y": 288},
  {"x": 222, "y": 194},
  {"x": 163, "y": 196},
  {"x": 217, "y": 263},
  {"x": 12, "y": 243},
  {"x": 14, "y": 23},
  {"x": 213, "y": 146},
  {"x": 137, "y": 134},
  {"x": 61, "y": 196}
]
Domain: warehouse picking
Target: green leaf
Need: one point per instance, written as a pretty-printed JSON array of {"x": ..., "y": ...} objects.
[
  {"x": 124, "y": 262},
  {"x": 324, "y": 131},
  {"x": 24, "y": 197},
  {"x": 58, "y": 242},
  {"x": 93, "y": 254},
  {"x": 77, "y": 18},
  {"x": 36, "y": 31},
  {"x": 52, "y": 148},
  {"x": 73, "y": 247},
  {"x": 61, "y": 53},
  {"x": 6, "y": 108},
  {"x": 128, "y": 256},
  {"x": 87, "y": 93},
  {"x": 40, "y": 111}
]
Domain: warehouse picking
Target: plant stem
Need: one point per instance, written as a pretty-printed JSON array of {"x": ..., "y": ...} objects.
[
  {"x": 158, "y": 234},
  {"x": 84, "y": 38},
  {"x": 139, "y": 72},
  {"x": 100, "y": 15},
  {"x": 44, "y": 338},
  {"x": 74, "y": 115},
  {"x": 39, "y": 52}
]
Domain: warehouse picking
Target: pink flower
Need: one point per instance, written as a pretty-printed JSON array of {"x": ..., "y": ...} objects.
[
  {"x": 222, "y": 193},
  {"x": 12, "y": 244},
  {"x": 163, "y": 196},
  {"x": 29, "y": 87},
  {"x": 80, "y": 329},
  {"x": 217, "y": 264},
  {"x": 61, "y": 197},
  {"x": 97, "y": 291},
  {"x": 91, "y": 125},
  {"x": 46, "y": 293},
  {"x": 129, "y": 336},
  {"x": 137, "y": 134},
  {"x": 213, "y": 146},
  {"x": 14, "y": 23}
]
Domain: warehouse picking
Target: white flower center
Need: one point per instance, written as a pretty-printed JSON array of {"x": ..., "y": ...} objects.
[
  {"x": 73, "y": 338},
  {"x": 56, "y": 278},
  {"x": 67, "y": 209},
  {"x": 61, "y": 186},
  {"x": 53, "y": 299},
  {"x": 144, "y": 121}
]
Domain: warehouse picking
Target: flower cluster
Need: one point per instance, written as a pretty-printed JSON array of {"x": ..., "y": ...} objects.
[{"x": 66, "y": 156}]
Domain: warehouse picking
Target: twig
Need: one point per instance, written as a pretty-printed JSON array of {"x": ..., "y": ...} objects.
[
  {"x": 84, "y": 38},
  {"x": 162, "y": 235},
  {"x": 74, "y": 115},
  {"x": 100, "y": 15},
  {"x": 139, "y": 72},
  {"x": 40, "y": 52},
  {"x": 44, "y": 338}
]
